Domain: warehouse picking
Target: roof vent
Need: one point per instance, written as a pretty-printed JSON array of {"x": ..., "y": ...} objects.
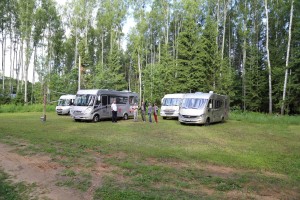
[{"x": 211, "y": 92}]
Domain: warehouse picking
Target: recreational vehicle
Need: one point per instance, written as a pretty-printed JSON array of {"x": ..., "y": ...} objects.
[
  {"x": 170, "y": 105},
  {"x": 203, "y": 108},
  {"x": 64, "y": 104},
  {"x": 95, "y": 104}
]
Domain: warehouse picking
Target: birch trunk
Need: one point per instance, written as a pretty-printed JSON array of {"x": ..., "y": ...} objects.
[
  {"x": 140, "y": 75},
  {"x": 3, "y": 60},
  {"x": 27, "y": 62},
  {"x": 244, "y": 74},
  {"x": 224, "y": 27},
  {"x": 218, "y": 19},
  {"x": 268, "y": 58},
  {"x": 287, "y": 60}
]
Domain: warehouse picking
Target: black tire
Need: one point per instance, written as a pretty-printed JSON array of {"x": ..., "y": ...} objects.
[
  {"x": 207, "y": 123},
  {"x": 125, "y": 117},
  {"x": 77, "y": 120},
  {"x": 96, "y": 118},
  {"x": 164, "y": 117}
]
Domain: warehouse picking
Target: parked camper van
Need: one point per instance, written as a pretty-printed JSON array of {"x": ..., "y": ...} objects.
[
  {"x": 203, "y": 108},
  {"x": 95, "y": 104},
  {"x": 170, "y": 105},
  {"x": 64, "y": 104}
]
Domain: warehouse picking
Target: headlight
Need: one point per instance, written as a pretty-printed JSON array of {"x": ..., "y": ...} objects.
[{"x": 88, "y": 110}]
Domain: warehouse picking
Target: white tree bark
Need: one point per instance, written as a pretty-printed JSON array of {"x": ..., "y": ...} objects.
[
  {"x": 268, "y": 57},
  {"x": 287, "y": 59},
  {"x": 244, "y": 67},
  {"x": 140, "y": 75},
  {"x": 224, "y": 26}
]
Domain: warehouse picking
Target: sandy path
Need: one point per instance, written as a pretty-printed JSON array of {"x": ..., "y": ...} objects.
[{"x": 40, "y": 170}]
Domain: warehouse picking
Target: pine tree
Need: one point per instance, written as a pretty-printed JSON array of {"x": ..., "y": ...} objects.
[{"x": 190, "y": 74}]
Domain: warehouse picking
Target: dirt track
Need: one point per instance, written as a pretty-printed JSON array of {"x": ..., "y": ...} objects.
[{"x": 42, "y": 171}]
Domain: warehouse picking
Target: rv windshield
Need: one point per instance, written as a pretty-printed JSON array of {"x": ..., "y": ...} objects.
[
  {"x": 194, "y": 103},
  {"x": 64, "y": 102},
  {"x": 171, "y": 102},
  {"x": 84, "y": 100}
]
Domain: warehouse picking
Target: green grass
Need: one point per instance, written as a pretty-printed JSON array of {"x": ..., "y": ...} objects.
[
  {"x": 80, "y": 181},
  {"x": 251, "y": 153},
  {"x": 14, "y": 191}
]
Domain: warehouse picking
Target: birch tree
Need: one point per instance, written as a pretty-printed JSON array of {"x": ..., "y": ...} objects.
[
  {"x": 26, "y": 9},
  {"x": 268, "y": 57},
  {"x": 287, "y": 59}
]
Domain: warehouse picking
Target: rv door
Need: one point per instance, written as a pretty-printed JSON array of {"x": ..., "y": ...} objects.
[{"x": 105, "y": 109}]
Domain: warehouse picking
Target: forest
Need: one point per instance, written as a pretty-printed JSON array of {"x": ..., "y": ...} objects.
[{"x": 247, "y": 49}]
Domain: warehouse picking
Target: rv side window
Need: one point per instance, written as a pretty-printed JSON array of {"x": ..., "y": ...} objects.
[
  {"x": 98, "y": 100},
  {"x": 122, "y": 100},
  {"x": 104, "y": 100},
  {"x": 218, "y": 104},
  {"x": 133, "y": 99},
  {"x": 111, "y": 99},
  {"x": 210, "y": 104}
]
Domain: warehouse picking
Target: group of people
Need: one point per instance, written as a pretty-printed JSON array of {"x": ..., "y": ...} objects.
[{"x": 151, "y": 109}]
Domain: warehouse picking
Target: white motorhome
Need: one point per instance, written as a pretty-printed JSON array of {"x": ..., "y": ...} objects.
[
  {"x": 64, "y": 104},
  {"x": 95, "y": 104},
  {"x": 170, "y": 105},
  {"x": 203, "y": 108}
]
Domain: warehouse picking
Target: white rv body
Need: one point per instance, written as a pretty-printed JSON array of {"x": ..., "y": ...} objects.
[
  {"x": 95, "y": 104},
  {"x": 64, "y": 104},
  {"x": 203, "y": 108},
  {"x": 170, "y": 105}
]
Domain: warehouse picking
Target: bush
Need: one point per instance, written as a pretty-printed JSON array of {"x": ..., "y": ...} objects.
[
  {"x": 255, "y": 117},
  {"x": 13, "y": 108}
]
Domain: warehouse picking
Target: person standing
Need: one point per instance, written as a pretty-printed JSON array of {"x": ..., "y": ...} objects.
[
  {"x": 155, "y": 112},
  {"x": 135, "y": 112},
  {"x": 114, "y": 111},
  {"x": 150, "y": 112},
  {"x": 143, "y": 111}
]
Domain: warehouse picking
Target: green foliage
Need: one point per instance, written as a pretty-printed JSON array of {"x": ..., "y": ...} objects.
[
  {"x": 20, "y": 108},
  {"x": 254, "y": 117},
  {"x": 115, "y": 75},
  {"x": 175, "y": 46},
  {"x": 255, "y": 81},
  {"x": 190, "y": 75}
]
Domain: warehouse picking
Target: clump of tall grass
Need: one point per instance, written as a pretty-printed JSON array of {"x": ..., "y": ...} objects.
[
  {"x": 255, "y": 117},
  {"x": 10, "y": 190},
  {"x": 19, "y": 108}
]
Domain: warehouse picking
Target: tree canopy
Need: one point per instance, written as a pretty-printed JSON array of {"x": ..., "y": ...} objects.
[{"x": 246, "y": 49}]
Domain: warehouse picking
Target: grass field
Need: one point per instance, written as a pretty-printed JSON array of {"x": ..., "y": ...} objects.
[{"x": 251, "y": 156}]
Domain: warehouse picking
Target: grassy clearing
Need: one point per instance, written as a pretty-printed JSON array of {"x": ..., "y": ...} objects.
[
  {"x": 249, "y": 156},
  {"x": 14, "y": 191}
]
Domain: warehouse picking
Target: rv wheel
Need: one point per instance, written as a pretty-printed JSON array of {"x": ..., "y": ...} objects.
[
  {"x": 207, "y": 122},
  {"x": 223, "y": 120},
  {"x": 125, "y": 116},
  {"x": 96, "y": 118}
]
